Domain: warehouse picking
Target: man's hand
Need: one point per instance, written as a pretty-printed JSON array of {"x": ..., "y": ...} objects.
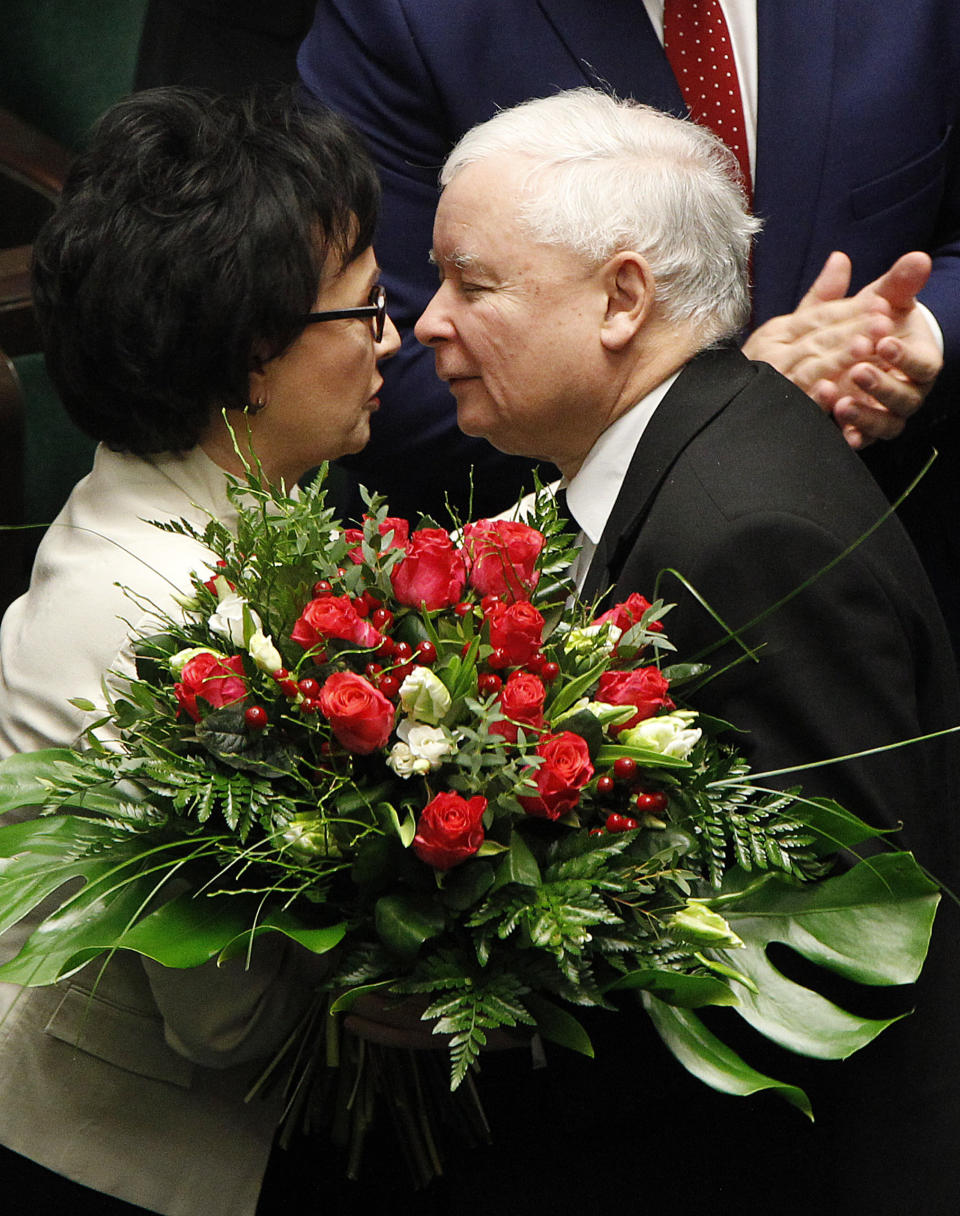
[{"x": 869, "y": 359}]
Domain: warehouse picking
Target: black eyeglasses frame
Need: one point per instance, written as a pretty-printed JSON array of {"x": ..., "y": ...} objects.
[{"x": 376, "y": 309}]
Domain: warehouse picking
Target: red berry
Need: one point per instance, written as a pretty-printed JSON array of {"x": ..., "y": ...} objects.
[
  {"x": 653, "y": 801},
  {"x": 621, "y": 823},
  {"x": 488, "y": 603},
  {"x": 372, "y": 670},
  {"x": 426, "y": 653},
  {"x": 321, "y": 588},
  {"x": 488, "y": 682},
  {"x": 549, "y": 672},
  {"x": 289, "y": 688},
  {"x": 309, "y": 687},
  {"x": 535, "y": 664},
  {"x": 402, "y": 671},
  {"x": 624, "y": 768},
  {"x": 309, "y": 706},
  {"x": 389, "y": 686},
  {"x": 387, "y": 648},
  {"x": 606, "y": 784},
  {"x": 595, "y": 832},
  {"x": 256, "y": 717},
  {"x": 360, "y": 606},
  {"x": 499, "y": 659},
  {"x": 381, "y": 618},
  {"x": 463, "y": 608},
  {"x": 371, "y": 601},
  {"x": 280, "y": 674},
  {"x": 403, "y": 652}
]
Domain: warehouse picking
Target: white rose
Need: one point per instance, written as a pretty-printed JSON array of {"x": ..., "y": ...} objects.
[
  {"x": 430, "y": 743},
  {"x": 404, "y": 763},
  {"x": 424, "y": 696},
  {"x": 669, "y": 734},
  {"x": 227, "y": 621}
]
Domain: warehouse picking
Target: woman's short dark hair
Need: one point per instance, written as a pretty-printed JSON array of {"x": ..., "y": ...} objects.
[{"x": 190, "y": 241}]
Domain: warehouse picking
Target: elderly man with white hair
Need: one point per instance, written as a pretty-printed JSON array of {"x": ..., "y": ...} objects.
[{"x": 593, "y": 257}]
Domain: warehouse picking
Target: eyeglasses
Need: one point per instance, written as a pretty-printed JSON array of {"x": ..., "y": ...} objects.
[{"x": 377, "y": 309}]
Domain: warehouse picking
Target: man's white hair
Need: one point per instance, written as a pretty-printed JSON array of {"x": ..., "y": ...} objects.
[{"x": 608, "y": 175}]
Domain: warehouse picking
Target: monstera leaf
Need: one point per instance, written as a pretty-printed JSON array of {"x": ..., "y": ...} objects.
[
  {"x": 121, "y": 894},
  {"x": 871, "y": 925}
]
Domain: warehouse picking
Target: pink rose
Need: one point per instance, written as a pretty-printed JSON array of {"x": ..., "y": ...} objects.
[
  {"x": 214, "y": 679},
  {"x": 521, "y": 699},
  {"x": 433, "y": 572},
  {"x": 517, "y": 630},
  {"x": 566, "y": 769},
  {"x": 360, "y": 715},
  {"x": 503, "y": 557},
  {"x": 645, "y": 688},
  {"x": 333, "y": 616},
  {"x": 449, "y": 830}
]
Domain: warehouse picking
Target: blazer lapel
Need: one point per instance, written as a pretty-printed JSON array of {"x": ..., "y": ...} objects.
[
  {"x": 616, "y": 48},
  {"x": 701, "y": 392},
  {"x": 795, "y": 47}
]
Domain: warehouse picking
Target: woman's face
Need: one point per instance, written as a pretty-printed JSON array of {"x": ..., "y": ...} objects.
[{"x": 319, "y": 394}]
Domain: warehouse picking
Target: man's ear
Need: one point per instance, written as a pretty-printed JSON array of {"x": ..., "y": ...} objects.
[{"x": 631, "y": 289}]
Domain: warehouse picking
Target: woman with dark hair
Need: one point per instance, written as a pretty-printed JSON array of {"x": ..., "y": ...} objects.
[{"x": 198, "y": 240}]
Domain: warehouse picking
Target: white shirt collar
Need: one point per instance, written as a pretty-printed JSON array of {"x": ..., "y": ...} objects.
[{"x": 591, "y": 494}]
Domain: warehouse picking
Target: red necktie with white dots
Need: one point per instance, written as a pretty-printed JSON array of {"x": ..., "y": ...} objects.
[{"x": 697, "y": 43}]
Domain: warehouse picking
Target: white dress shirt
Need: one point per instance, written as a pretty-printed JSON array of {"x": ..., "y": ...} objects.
[{"x": 592, "y": 493}]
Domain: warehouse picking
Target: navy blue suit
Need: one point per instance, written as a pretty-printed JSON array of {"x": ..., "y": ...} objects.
[{"x": 858, "y": 149}]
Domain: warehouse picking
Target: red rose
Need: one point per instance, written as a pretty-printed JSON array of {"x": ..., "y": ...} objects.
[
  {"x": 565, "y": 770},
  {"x": 628, "y": 614},
  {"x": 450, "y": 830},
  {"x": 517, "y": 630},
  {"x": 432, "y": 573},
  {"x": 393, "y": 523},
  {"x": 503, "y": 557},
  {"x": 217, "y": 680},
  {"x": 333, "y": 616},
  {"x": 645, "y": 688},
  {"x": 360, "y": 715},
  {"x": 521, "y": 699}
]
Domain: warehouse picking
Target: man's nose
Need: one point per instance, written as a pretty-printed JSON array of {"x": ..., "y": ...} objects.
[{"x": 432, "y": 326}]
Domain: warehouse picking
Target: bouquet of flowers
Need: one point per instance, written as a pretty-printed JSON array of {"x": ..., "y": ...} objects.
[{"x": 418, "y": 753}]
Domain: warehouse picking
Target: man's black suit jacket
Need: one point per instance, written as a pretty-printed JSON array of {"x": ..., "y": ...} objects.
[{"x": 742, "y": 490}]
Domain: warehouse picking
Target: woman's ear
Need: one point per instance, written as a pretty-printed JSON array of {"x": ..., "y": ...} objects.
[
  {"x": 631, "y": 290},
  {"x": 258, "y": 384}
]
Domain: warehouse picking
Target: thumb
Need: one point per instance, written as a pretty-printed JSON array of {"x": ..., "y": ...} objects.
[{"x": 900, "y": 284}]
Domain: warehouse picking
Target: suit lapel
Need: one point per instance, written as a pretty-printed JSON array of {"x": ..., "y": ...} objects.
[
  {"x": 795, "y": 47},
  {"x": 701, "y": 392},
  {"x": 616, "y": 48}
]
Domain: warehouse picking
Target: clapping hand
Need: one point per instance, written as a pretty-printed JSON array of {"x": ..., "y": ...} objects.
[{"x": 868, "y": 359}]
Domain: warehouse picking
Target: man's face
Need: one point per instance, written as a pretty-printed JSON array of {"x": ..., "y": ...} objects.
[{"x": 515, "y": 325}]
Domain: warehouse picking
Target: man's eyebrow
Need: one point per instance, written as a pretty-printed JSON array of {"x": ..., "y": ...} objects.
[{"x": 460, "y": 259}]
